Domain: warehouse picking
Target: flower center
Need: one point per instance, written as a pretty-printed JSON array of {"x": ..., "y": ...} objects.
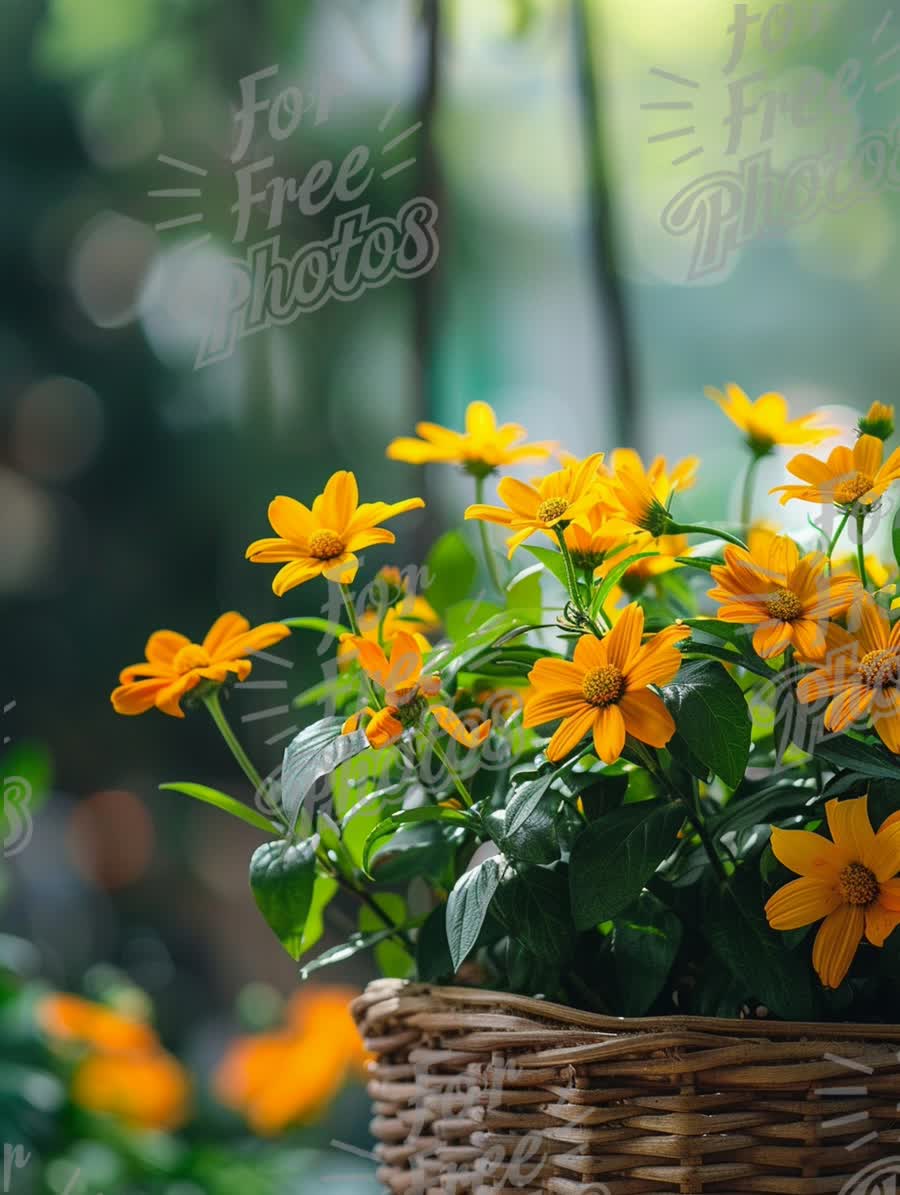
[
  {"x": 858, "y": 885},
  {"x": 848, "y": 491},
  {"x": 325, "y": 545},
  {"x": 879, "y": 669},
  {"x": 784, "y": 606},
  {"x": 552, "y": 508},
  {"x": 603, "y": 686},
  {"x": 411, "y": 711},
  {"x": 192, "y": 656}
]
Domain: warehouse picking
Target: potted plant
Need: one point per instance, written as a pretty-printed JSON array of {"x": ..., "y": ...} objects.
[{"x": 621, "y": 814}]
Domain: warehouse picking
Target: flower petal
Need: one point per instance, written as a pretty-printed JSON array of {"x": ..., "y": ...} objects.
[
  {"x": 800, "y": 903},
  {"x": 624, "y": 640},
  {"x": 809, "y": 855},
  {"x": 296, "y": 573},
  {"x": 880, "y": 923},
  {"x": 138, "y": 696},
  {"x": 291, "y": 520},
  {"x": 850, "y": 827},
  {"x": 548, "y": 706},
  {"x": 570, "y": 733},
  {"x": 227, "y": 626},
  {"x": 884, "y": 854},
  {"x": 609, "y": 733},
  {"x": 646, "y": 718},
  {"x": 836, "y": 944},
  {"x": 457, "y": 729}
]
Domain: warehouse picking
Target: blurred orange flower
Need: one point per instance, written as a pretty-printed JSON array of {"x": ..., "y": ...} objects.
[
  {"x": 481, "y": 449},
  {"x": 125, "y": 1073},
  {"x": 275, "y": 1080},
  {"x": 174, "y": 665}
]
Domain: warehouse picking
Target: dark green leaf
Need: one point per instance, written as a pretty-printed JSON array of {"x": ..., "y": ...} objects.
[
  {"x": 433, "y": 961},
  {"x": 614, "y": 858},
  {"x": 756, "y": 955},
  {"x": 712, "y": 717},
  {"x": 339, "y": 954},
  {"x": 315, "y": 752},
  {"x": 646, "y": 942},
  {"x": 604, "y": 794},
  {"x": 862, "y": 758},
  {"x": 613, "y": 577},
  {"x": 282, "y": 875},
  {"x": 404, "y": 817},
  {"x": 467, "y": 908},
  {"x": 533, "y": 905}
]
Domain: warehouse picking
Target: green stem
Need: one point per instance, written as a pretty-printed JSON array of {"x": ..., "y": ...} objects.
[
  {"x": 458, "y": 782},
  {"x": 861, "y": 550},
  {"x": 837, "y": 535},
  {"x": 572, "y": 580},
  {"x": 699, "y": 529},
  {"x": 490, "y": 558},
  {"x": 747, "y": 493},
  {"x": 214, "y": 705}
]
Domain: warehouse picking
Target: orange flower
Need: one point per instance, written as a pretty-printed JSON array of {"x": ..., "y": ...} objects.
[
  {"x": 407, "y": 694},
  {"x": 766, "y": 421},
  {"x": 174, "y": 665},
  {"x": 851, "y": 478},
  {"x": 848, "y": 882},
  {"x": 145, "y": 1091},
  {"x": 481, "y": 449},
  {"x": 878, "y": 421},
  {"x": 279, "y": 1079},
  {"x": 604, "y": 690},
  {"x": 861, "y": 678},
  {"x": 395, "y": 610},
  {"x": 789, "y": 600},
  {"x": 71, "y": 1019},
  {"x": 561, "y": 498},
  {"x": 639, "y": 496},
  {"x": 324, "y": 541}
]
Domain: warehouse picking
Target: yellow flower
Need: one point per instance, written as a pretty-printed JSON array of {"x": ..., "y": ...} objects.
[
  {"x": 395, "y": 610},
  {"x": 407, "y": 695},
  {"x": 861, "y": 678},
  {"x": 789, "y": 600},
  {"x": 640, "y": 496},
  {"x": 766, "y": 421},
  {"x": 668, "y": 546},
  {"x": 559, "y": 499},
  {"x": 279, "y": 1079},
  {"x": 174, "y": 665},
  {"x": 850, "y": 478},
  {"x": 878, "y": 573},
  {"x": 481, "y": 449},
  {"x": 323, "y": 541},
  {"x": 848, "y": 882},
  {"x": 604, "y": 689},
  {"x": 878, "y": 421},
  {"x": 590, "y": 540},
  {"x": 143, "y": 1091}
]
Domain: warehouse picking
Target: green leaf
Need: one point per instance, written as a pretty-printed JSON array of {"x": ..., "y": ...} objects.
[
  {"x": 603, "y": 794},
  {"x": 524, "y": 800},
  {"x": 404, "y": 817},
  {"x": 451, "y": 567},
  {"x": 552, "y": 561},
  {"x": 433, "y": 961},
  {"x": 759, "y": 808},
  {"x": 712, "y": 717},
  {"x": 756, "y": 955},
  {"x": 339, "y": 954},
  {"x": 533, "y": 905},
  {"x": 212, "y": 796},
  {"x": 465, "y": 617},
  {"x": 713, "y": 651},
  {"x": 322, "y": 625},
  {"x": 614, "y": 858},
  {"x": 282, "y": 875},
  {"x": 523, "y": 593},
  {"x": 645, "y": 945},
  {"x": 468, "y": 906},
  {"x": 324, "y": 890},
  {"x": 862, "y": 758},
  {"x": 423, "y": 850},
  {"x": 315, "y": 752},
  {"x": 613, "y": 577}
]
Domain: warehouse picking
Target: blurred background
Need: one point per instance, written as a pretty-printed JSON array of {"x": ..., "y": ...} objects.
[{"x": 633, "y": 202}]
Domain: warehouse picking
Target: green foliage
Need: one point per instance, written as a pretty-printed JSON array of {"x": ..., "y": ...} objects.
[
  {"x": 282, "y": 875},
  {"x": 712, "y": 717}
]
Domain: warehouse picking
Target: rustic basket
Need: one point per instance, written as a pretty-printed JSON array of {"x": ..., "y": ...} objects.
[{"x": 482, "y": 1092}]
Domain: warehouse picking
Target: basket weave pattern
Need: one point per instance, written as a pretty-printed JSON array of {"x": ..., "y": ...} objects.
[{"x": 482, "y": 1092}]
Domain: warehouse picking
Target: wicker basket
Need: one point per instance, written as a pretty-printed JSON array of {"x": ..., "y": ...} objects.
[{"x": 481, "y": 1092}]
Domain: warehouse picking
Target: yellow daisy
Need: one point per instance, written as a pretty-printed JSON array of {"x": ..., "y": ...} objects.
[
  {"x": 481, "y": 449},
  {"x": 851, "y": 478},
  {"x": 324, "y": 541},
  {"x": 559, "y": 499},
  {"x": 766, "y": 422},
  {"x": 848, "y": 884}
]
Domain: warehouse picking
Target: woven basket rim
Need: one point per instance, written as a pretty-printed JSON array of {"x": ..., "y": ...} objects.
[{"x": 389, "y": 992}]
